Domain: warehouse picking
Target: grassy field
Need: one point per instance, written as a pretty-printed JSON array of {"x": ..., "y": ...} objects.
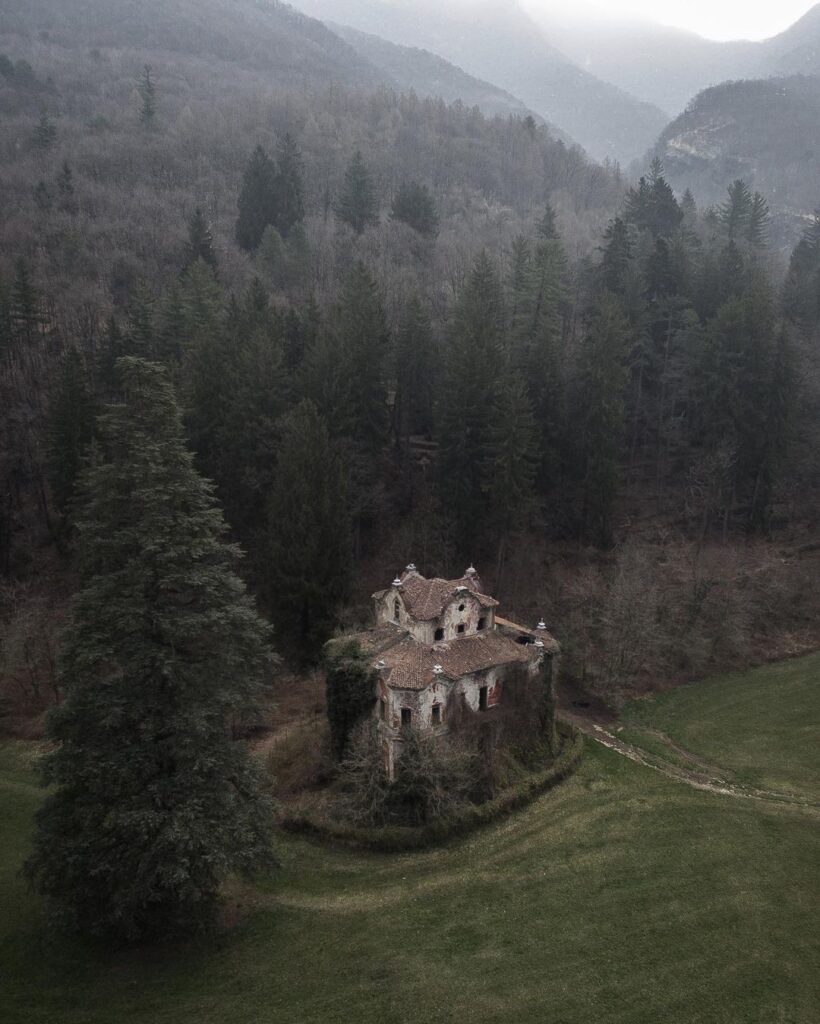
[
  {"x": 763, "y": 726},
  {"x": 621, "y": 897}
]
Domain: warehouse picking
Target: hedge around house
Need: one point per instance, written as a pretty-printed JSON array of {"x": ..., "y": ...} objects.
[{"x": 399, "y": 838}]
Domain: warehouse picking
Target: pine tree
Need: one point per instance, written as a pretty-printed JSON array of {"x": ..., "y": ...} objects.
[
  {"x": 70, "y": 428},
  {"x": 309, "y": 532},
  {"x": 757, "y": 231},
  {"x": 200, "y": 244},
  {"x": 415, "y": 372},
  {"x": 148, "y": 95},
  {"x": 45, "y": 133},
  {"x": 65, "y": 188},
  {"x": 547, "y": 226},
  {"x": 414, "y": 205},
  {"x": 290, "y": 203},
  {"x": 25, "y": 311},
  {"x": 510, "y": 465},
  {"x": 153, "y": 803},
  {"x": 257, "y": 200},
  {"x": 42, "y": 197},
  {"x": 357, "y": 205},
  {"x": 600, "y": 411},
  {"x": 616, "y": 256},
  {"x": 361, "y": 330},
  {"x": 465, "y": 394},
  {"x": 734, "y": 214}
]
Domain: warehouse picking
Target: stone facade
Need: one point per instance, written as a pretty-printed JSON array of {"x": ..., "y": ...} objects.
[{"x": 437, "y": 640}]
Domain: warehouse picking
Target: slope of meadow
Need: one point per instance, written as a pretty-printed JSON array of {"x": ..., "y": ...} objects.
[{"x": 621, "y": 896}]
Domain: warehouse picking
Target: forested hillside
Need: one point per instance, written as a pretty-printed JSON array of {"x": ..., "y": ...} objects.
[
  {"x": 430, "y": 75},
  {"x": 397, "y": 331},
  {"x": 766, "y": 132},
  {"x": 495, "y": 40}
]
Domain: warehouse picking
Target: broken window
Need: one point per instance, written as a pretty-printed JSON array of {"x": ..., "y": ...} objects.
[
  {"x": 482, "y": 698},
  {"x": 438, "y": 635},
  {"x": 435, "y": 715},
  {"x": 482, "y": 623},
  {"x": 460, "y": 627},
  {"x": 406, "y": 716}
]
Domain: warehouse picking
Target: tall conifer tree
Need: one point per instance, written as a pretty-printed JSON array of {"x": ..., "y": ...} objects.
[{"x": 153, "y": 802}]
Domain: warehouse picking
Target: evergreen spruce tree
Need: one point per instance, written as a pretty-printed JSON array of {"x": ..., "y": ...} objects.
[
  {"x": 547, "y": 226},
  {"x": 414, "y": 205},
  {"x": 734, "y": 214},
  {"x": 70, "y": 428},
  {"x": 42, "y": 197},
  {"x": 45, "y": 133},
  {"x": 616, "y": 256},
  {"x": 510, "y": 465},
  {"x": 361, "y": 331},
  {"x": 600, "y": 411},
  {"x": 153, "y": 802},
  {"x": 148, "y": 95},
  {"x": 65, "y": 188},
  {"x": 415, "y": 372},
  {"x": 757, "y": 231},
  {"x": 25, "y": 313},
  {"x": 465, "y": 395},
  {"x": 309, "y": 532},
  {"x": 290, "y": 203},
  {"x": 200, "y": 244},
  {"x": 357, "y": 205},
  {"x": 257, "y": 200}
]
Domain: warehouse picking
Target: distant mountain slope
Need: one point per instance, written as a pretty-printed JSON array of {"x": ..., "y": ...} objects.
[
  {"x": 669, "y": 66},
  {"x": 766, "y": 132},
  {"x": 430, "y": 75},
  {"x": 497, "y": 42},
  {"x": 259, "y": 35}
]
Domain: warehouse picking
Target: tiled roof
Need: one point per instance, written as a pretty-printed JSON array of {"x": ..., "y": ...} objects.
[
  {"x": 408, "y": 664},
  {"x": 427, "y": 599}
]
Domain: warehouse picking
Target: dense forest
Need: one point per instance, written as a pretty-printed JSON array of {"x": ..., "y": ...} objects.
[{"x": 399, "y": 330}]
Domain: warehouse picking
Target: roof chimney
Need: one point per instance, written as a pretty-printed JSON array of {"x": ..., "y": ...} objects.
[
  {"x": 471, "y": 571},
  {"x": 381, "y": 664},
  {"x": 539, "y": 644},
  {"x": 397, "y": 582},
  {"x": 438, "y": 670},
  {"x": 542, "y": 626},
  {"x": 411, "y": 567}
]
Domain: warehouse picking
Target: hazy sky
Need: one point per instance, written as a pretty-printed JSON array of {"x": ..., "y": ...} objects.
[{"x": 715, "y": 19}]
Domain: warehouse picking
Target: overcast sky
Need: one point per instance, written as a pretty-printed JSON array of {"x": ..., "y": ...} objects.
[{"x": 715, "y": 19}]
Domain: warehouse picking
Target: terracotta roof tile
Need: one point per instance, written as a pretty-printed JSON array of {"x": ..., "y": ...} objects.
[{"x": 427, "y": 599}]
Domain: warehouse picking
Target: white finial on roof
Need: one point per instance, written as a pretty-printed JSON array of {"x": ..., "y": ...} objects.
[
  {"x": 438, "y": 670},
  {"x": 397, "y": 582},
  {"x": 471, "y": 571},
  {"x": 411, "y": 567},
  {"x": 380, "y": 664},
  {"x": 539, "y": 643},
  {"x": 541, "y": 625}
]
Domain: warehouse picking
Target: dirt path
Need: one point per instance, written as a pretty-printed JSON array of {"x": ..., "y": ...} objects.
[{"x": 695, "y": 772}]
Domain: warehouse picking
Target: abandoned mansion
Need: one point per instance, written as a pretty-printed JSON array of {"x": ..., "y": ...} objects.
[{"x": 436, "y": 641}]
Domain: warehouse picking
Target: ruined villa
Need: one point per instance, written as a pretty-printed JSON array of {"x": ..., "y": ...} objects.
[{"x": 435, "y": 640}]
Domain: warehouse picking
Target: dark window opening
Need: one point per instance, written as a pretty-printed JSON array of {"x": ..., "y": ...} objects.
[
  {"x": 482, "y": 624},
  {"x": 523, "y": 640},
  {"x": 396, "y": 609},
  {"x": 460, "y": 627},
  {"x": 435, "y": 715},
  {"x": 461, "y": 607},
  {"x": 438, "y": 635},
  {"x": 406, "y": 716},
  {"x": 383, "y": 709},
  {"x": 482, "y": 699}
]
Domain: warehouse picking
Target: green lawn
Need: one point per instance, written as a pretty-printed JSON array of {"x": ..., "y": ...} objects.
[
  {"x": 764, "y": 726},
  {"x": 621, "y": 897}
]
